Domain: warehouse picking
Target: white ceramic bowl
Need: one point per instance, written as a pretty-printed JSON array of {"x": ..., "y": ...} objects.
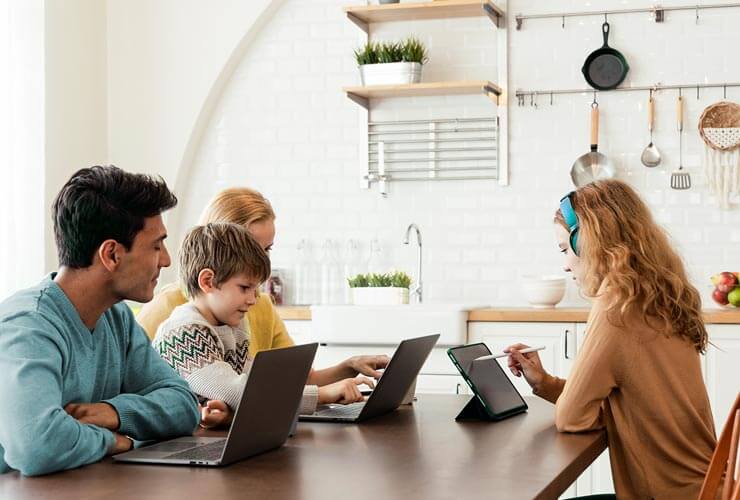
[{"x": 543, "y": 292}]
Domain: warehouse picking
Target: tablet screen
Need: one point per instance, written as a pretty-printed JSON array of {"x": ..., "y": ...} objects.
[{"x": 489, "y": 379}]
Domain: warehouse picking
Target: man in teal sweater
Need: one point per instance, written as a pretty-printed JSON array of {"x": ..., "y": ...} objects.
[{"x": 79, "y": 377}]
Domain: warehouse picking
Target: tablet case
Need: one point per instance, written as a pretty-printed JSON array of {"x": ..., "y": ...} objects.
[{"x": 474, "y": 411}]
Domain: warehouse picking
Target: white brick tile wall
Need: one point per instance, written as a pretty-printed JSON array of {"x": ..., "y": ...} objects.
[{"x": 283, "y": 127}]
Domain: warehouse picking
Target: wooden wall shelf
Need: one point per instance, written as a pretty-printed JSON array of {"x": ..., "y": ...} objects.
[
  {"x": 361, "y": 95},
  {"x": 363, "y": 15}
]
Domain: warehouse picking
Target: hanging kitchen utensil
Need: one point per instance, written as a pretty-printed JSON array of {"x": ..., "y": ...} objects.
[
  {"x": 605, "y": 68},
  {"x": 651, "y": 156},
  {"x": 680, "y": 179},
  {"x": 719, "y": 127},
  {"x": 593, "y": 165}
]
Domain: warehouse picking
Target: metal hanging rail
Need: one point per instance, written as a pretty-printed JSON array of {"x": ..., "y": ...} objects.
[
  {"x": 421, "y": 170},
  {"x": 426, "y": 141},
  {"x": 436, "y": 150},
  {"x": 533, "y": 95},
  {"x": 657, "y": 11},
  {"x": 426, "y": 122}
]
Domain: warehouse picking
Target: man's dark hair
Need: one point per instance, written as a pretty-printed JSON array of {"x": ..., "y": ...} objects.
[{"x": 101, "y": 203}]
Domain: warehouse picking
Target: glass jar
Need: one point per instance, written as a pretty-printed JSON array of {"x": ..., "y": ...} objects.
[{"x": 275, "y": 287}]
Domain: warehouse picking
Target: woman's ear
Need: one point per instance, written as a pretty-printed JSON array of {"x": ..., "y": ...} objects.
[
  {"x": 108, "y": 254},
  {"x": 206, "y": 280}
]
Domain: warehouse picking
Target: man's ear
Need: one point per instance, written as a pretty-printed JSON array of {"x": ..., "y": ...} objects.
[
  {"x": 206, "y": 280},
  {"x": 108, "y": 252}
]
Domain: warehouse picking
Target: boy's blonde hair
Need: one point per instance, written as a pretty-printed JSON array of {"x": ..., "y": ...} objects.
[
  {"x": 239, "y": 205},
  {"x": 226, "y": 249},
  {"x": 620, "y": 243}
]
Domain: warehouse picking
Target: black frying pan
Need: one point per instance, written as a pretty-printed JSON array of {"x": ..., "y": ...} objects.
[{"x": 605, "y": 68}]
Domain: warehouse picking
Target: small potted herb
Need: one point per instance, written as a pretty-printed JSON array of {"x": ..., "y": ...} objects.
[
  {"x": 391, "y": 63},
  {"x": 375, "y": 289}
]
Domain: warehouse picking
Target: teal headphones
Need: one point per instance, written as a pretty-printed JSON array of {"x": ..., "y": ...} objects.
[{"x": 569, "y": 215}]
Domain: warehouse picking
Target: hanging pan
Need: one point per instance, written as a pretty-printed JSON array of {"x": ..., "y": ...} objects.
[
  {"x": 605, "y": 68},
  {"x": 592, "y": 166}
]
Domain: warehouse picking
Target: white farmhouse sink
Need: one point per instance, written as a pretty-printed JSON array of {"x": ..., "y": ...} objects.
[{"x": 390, "y": 324}]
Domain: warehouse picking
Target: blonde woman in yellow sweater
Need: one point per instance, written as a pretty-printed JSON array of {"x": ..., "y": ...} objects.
[
  {"x": 250, "y": 209},
  {"x": 638, "y": 373}
]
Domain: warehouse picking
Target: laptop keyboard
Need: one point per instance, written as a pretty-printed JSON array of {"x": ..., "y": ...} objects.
[
  {"x": 344, "y": 411},
  {"x": 210, "y": 452},
  {"x": 172, "y": 446}
]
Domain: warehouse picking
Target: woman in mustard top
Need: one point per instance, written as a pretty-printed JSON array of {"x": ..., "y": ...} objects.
[{"x": 250, "y": 209}]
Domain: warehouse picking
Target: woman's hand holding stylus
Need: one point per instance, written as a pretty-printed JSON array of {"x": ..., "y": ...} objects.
[{"x": 528, "y": 364}]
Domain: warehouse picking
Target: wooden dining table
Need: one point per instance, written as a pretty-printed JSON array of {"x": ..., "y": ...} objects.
[{"x": 417, "y": 451}]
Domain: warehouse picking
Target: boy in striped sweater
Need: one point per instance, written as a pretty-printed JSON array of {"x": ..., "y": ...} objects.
[{"x": 207, "y": 339}]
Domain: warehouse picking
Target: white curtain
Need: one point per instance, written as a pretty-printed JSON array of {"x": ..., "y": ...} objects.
[{"x": 22, "y": 216}]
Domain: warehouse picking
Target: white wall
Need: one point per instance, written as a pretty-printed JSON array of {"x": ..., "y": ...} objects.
[
  {"x": 127, "y": 81},
  {"x": 21, "y": 144},
  {"x": 164, "y": 58},
  {"x": 283, "y": 126},
  {"x": 75, "y": 108}
]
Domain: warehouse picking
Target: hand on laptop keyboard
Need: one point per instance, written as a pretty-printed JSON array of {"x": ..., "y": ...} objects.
[{"x": 345, "y": 391}]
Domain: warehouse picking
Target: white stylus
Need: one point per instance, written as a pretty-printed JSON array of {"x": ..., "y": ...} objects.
[{"x": 504, "y": 354}]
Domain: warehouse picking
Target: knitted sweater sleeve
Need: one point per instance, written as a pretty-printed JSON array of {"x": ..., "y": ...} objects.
[{"x": 197, "y": 354}]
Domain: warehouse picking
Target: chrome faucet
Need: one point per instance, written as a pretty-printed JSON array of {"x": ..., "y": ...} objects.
[{"x": 416, "y": 289}]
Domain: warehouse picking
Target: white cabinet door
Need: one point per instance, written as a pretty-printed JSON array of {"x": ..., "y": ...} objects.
[
  {"x": 598, "y": 477},
  {"x": 723, "y": 370},
  {"x": 558, "y": 339}
]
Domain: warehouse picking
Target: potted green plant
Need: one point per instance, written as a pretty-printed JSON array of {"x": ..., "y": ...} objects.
[
  {"x": 391, "y": 63},
  {"x": 376, "y": 289}
]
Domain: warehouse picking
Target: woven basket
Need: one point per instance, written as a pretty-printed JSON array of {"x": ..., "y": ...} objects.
[{"x": 719, "y": 126}]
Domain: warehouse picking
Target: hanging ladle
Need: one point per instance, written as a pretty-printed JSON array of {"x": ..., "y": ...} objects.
[{"x": 650, "y": 156}]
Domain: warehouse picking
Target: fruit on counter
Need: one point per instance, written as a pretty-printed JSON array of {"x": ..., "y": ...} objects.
[
  {"x": 734, "y": 296},
  {"x": 726, "y": 288},
  {"x": 720, "y": 297},
  {"x": 725, "y": 281}
]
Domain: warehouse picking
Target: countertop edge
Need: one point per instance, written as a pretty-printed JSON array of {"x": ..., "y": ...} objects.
[{"x": 526, "y": 314}]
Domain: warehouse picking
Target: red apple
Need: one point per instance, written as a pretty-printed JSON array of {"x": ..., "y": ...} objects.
[
  {"x": 720, "y": 297},
  {"x": 726, "y": 281}
]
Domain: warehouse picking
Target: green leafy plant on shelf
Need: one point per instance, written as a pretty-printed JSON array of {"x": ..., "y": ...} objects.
[
  {"x": 409, "y": 50},
  {"x": 414, "y": 51},
  {"x": 396, "y": 279},
  {"x": 367, "y": 54}
]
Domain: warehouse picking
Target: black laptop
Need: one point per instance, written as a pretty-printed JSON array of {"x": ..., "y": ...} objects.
[
  {"x": 267, "y": 410},
  {"x": 390, "y": 389}
]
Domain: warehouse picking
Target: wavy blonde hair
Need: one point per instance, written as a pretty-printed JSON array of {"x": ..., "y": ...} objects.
[
  {"x": 238, "y": 205},
  {"x": 621, "y": 244}
]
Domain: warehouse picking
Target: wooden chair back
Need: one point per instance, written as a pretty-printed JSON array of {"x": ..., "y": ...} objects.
[{"x": 725, "y": 461}]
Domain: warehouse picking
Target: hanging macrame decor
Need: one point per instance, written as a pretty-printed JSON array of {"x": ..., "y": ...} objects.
[{"x": 719, "y": 127}]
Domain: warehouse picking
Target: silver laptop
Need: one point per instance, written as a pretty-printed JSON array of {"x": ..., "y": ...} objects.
[
  {"x": 391, "y": 388},
  {"x": 267, "y": 410}
]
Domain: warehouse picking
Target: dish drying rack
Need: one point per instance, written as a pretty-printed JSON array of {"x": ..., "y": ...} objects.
[{"x": 451, "y": 149}]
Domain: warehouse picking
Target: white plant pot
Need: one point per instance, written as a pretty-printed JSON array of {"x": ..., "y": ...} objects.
[
  {"x": 380, "y": 295},
  {"x": 397, "y": 73}
]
